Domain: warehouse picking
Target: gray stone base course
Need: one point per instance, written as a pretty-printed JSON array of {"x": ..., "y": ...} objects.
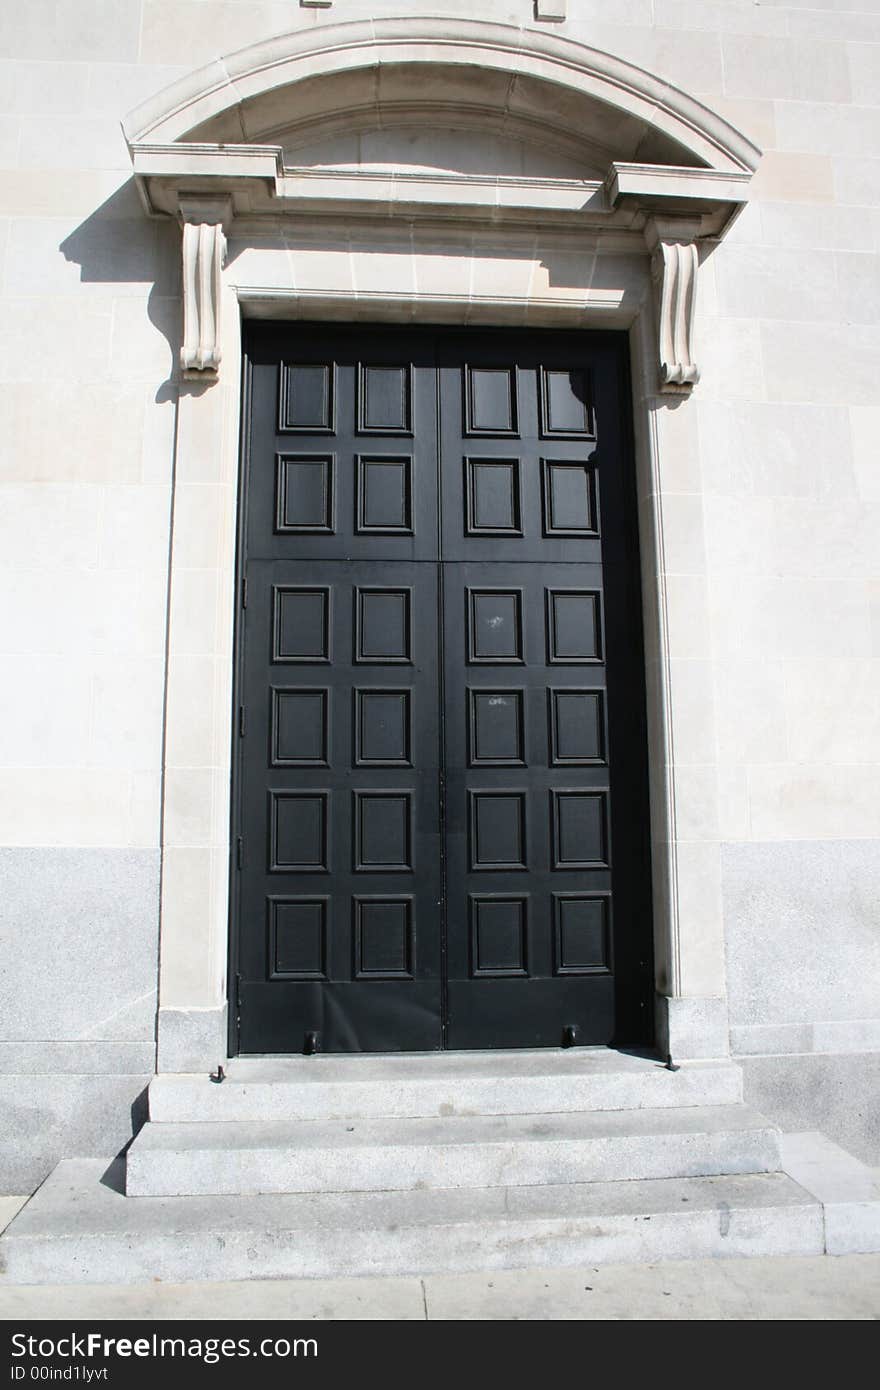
[
  {"x": 46, "y": 1118},
  {"x": 235, "y": 1157},
  {"x": 79, "y": 1229},
  {"x": 510, "y": 1083},
  {"x": 836, "y": 1093}
]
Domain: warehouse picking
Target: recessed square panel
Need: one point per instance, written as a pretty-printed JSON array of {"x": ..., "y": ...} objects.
[
  {"x": 384, "y": 400},
  {"x": 567, "y": 403},
  {"x": 494, "y": 618},
  {"x": 298, "y": 832},
  {"x": 492, "y": 497},
  {"x": 569, "y": 498},
  {"x": 574, "y": 627},
  {"x": 383, "y": 728},
  {"x": 305, "y": 398},
  {"x": 490, "y": 400},
  {"x": 384, "y": 495},
  {"x": 498, "y": 935},
  {"x": 300, "y": 727},
  {"x": 383, "y": 626},
  {"x": 496, "y": 728},
  {"x": 497, "y": 830},
  {"x": 582, "y": 930},
  {"x": 304, "y": 493},
  {"x": 301, "y": 624},
  {"x": 383, "y": 938},
  {"x": 577, "y": 727},
  {"x": 580, "y": 829},
  {"x": 297, "y": 938},
  {"x": 383, "y": 832}
]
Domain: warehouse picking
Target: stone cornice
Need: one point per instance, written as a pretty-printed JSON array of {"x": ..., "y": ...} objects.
[
  {"x": 673, "y": 206},
  {"x": 257, "y": 184}
]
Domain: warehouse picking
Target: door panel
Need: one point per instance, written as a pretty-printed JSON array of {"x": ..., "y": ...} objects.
[
  {"x": 441, "y": 777},
  {"x": 339, "y": 773}
]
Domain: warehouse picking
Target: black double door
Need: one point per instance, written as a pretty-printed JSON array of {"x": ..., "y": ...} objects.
[{"x": 440, "y": 802}]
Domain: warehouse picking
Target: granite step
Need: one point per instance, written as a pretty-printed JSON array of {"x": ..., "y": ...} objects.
[
  {"x": 79, "y": 1228},
  {"x": 456, "y": 1151},
  {"x": 478, "y": 1083}
]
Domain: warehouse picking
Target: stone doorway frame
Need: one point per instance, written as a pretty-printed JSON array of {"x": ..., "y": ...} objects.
[{"x": 263, "y": 240}]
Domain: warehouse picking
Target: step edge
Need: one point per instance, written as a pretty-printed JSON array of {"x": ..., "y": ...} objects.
[{"x": 160, "y": 1135}]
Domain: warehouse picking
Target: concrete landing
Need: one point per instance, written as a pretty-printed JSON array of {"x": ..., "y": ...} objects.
[
  {"x": 80, "y": 1228},
  {"x": 439, "y": 1084}
]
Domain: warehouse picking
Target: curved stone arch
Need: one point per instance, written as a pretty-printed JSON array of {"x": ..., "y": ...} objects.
[{"x": 234, "y": 93}]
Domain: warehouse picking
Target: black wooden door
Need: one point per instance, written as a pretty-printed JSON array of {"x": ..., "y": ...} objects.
[{"x": 441, "y": 729}]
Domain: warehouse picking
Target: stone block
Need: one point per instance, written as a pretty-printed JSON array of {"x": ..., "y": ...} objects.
[
  {"x": 858, "y": 277},
  {"x": 42, "y": 87},
  {"x": 201, "y": 29},
  {"x": 856, "y": 180},
  {"x": 845, "y": 360},
  {"x": 135, "y": 526},
  {"x": 693, "y": 711},
  {"x": 826, "y": 127},
  {"x": 83, "y": 1057},
  {"x": 772, "y": 449},
  {"x": 125, "y": 725},
  {"x": 104, "y": 420},
  {"x": 818, "y": 226},
  {"x": 192, "y": 1040},
  {"x": 789, "y": 176},
  {"x": 694, "y": 1026},
  {"x": 864, "y": 68},
  {"x": 39, "y": 729},
  {"x": 79, "y": 944},
  {"x": 763, "y": 282},
  {"x": 90, "y": 142},
  {"x": 71, "y": 30},
  {"x": 785, "y": 68},
  {"x": 751, "y": 711},
  {"x": 814, "y": 802},
  {"x": 836, "y": 1092}
]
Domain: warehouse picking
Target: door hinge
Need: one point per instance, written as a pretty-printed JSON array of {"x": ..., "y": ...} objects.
[
  {"x": 239, "y": 852},
  {"x": 237, "y": 1009},
  {"x": 241, "y": 721},
  {"x": 244, "y": 592}
]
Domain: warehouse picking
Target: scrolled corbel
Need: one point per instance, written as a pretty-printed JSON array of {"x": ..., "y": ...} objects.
[
  {"x": 676, "y": 261},
  {"x": 203, "y": 249}
]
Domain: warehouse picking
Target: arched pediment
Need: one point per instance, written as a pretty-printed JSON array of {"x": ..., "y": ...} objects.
[{"x": 523, "y": 78}]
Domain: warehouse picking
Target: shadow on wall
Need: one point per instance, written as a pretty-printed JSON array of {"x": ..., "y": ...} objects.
[{"x": 119, "y": 244}]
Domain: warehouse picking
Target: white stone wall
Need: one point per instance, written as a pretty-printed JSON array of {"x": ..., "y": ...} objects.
[{"x": 772, "y": 510}]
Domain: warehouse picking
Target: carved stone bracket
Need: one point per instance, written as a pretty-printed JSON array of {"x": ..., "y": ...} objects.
[
  {"x": 203, "y": 250},
  {"x": 676, "y": 260}
]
